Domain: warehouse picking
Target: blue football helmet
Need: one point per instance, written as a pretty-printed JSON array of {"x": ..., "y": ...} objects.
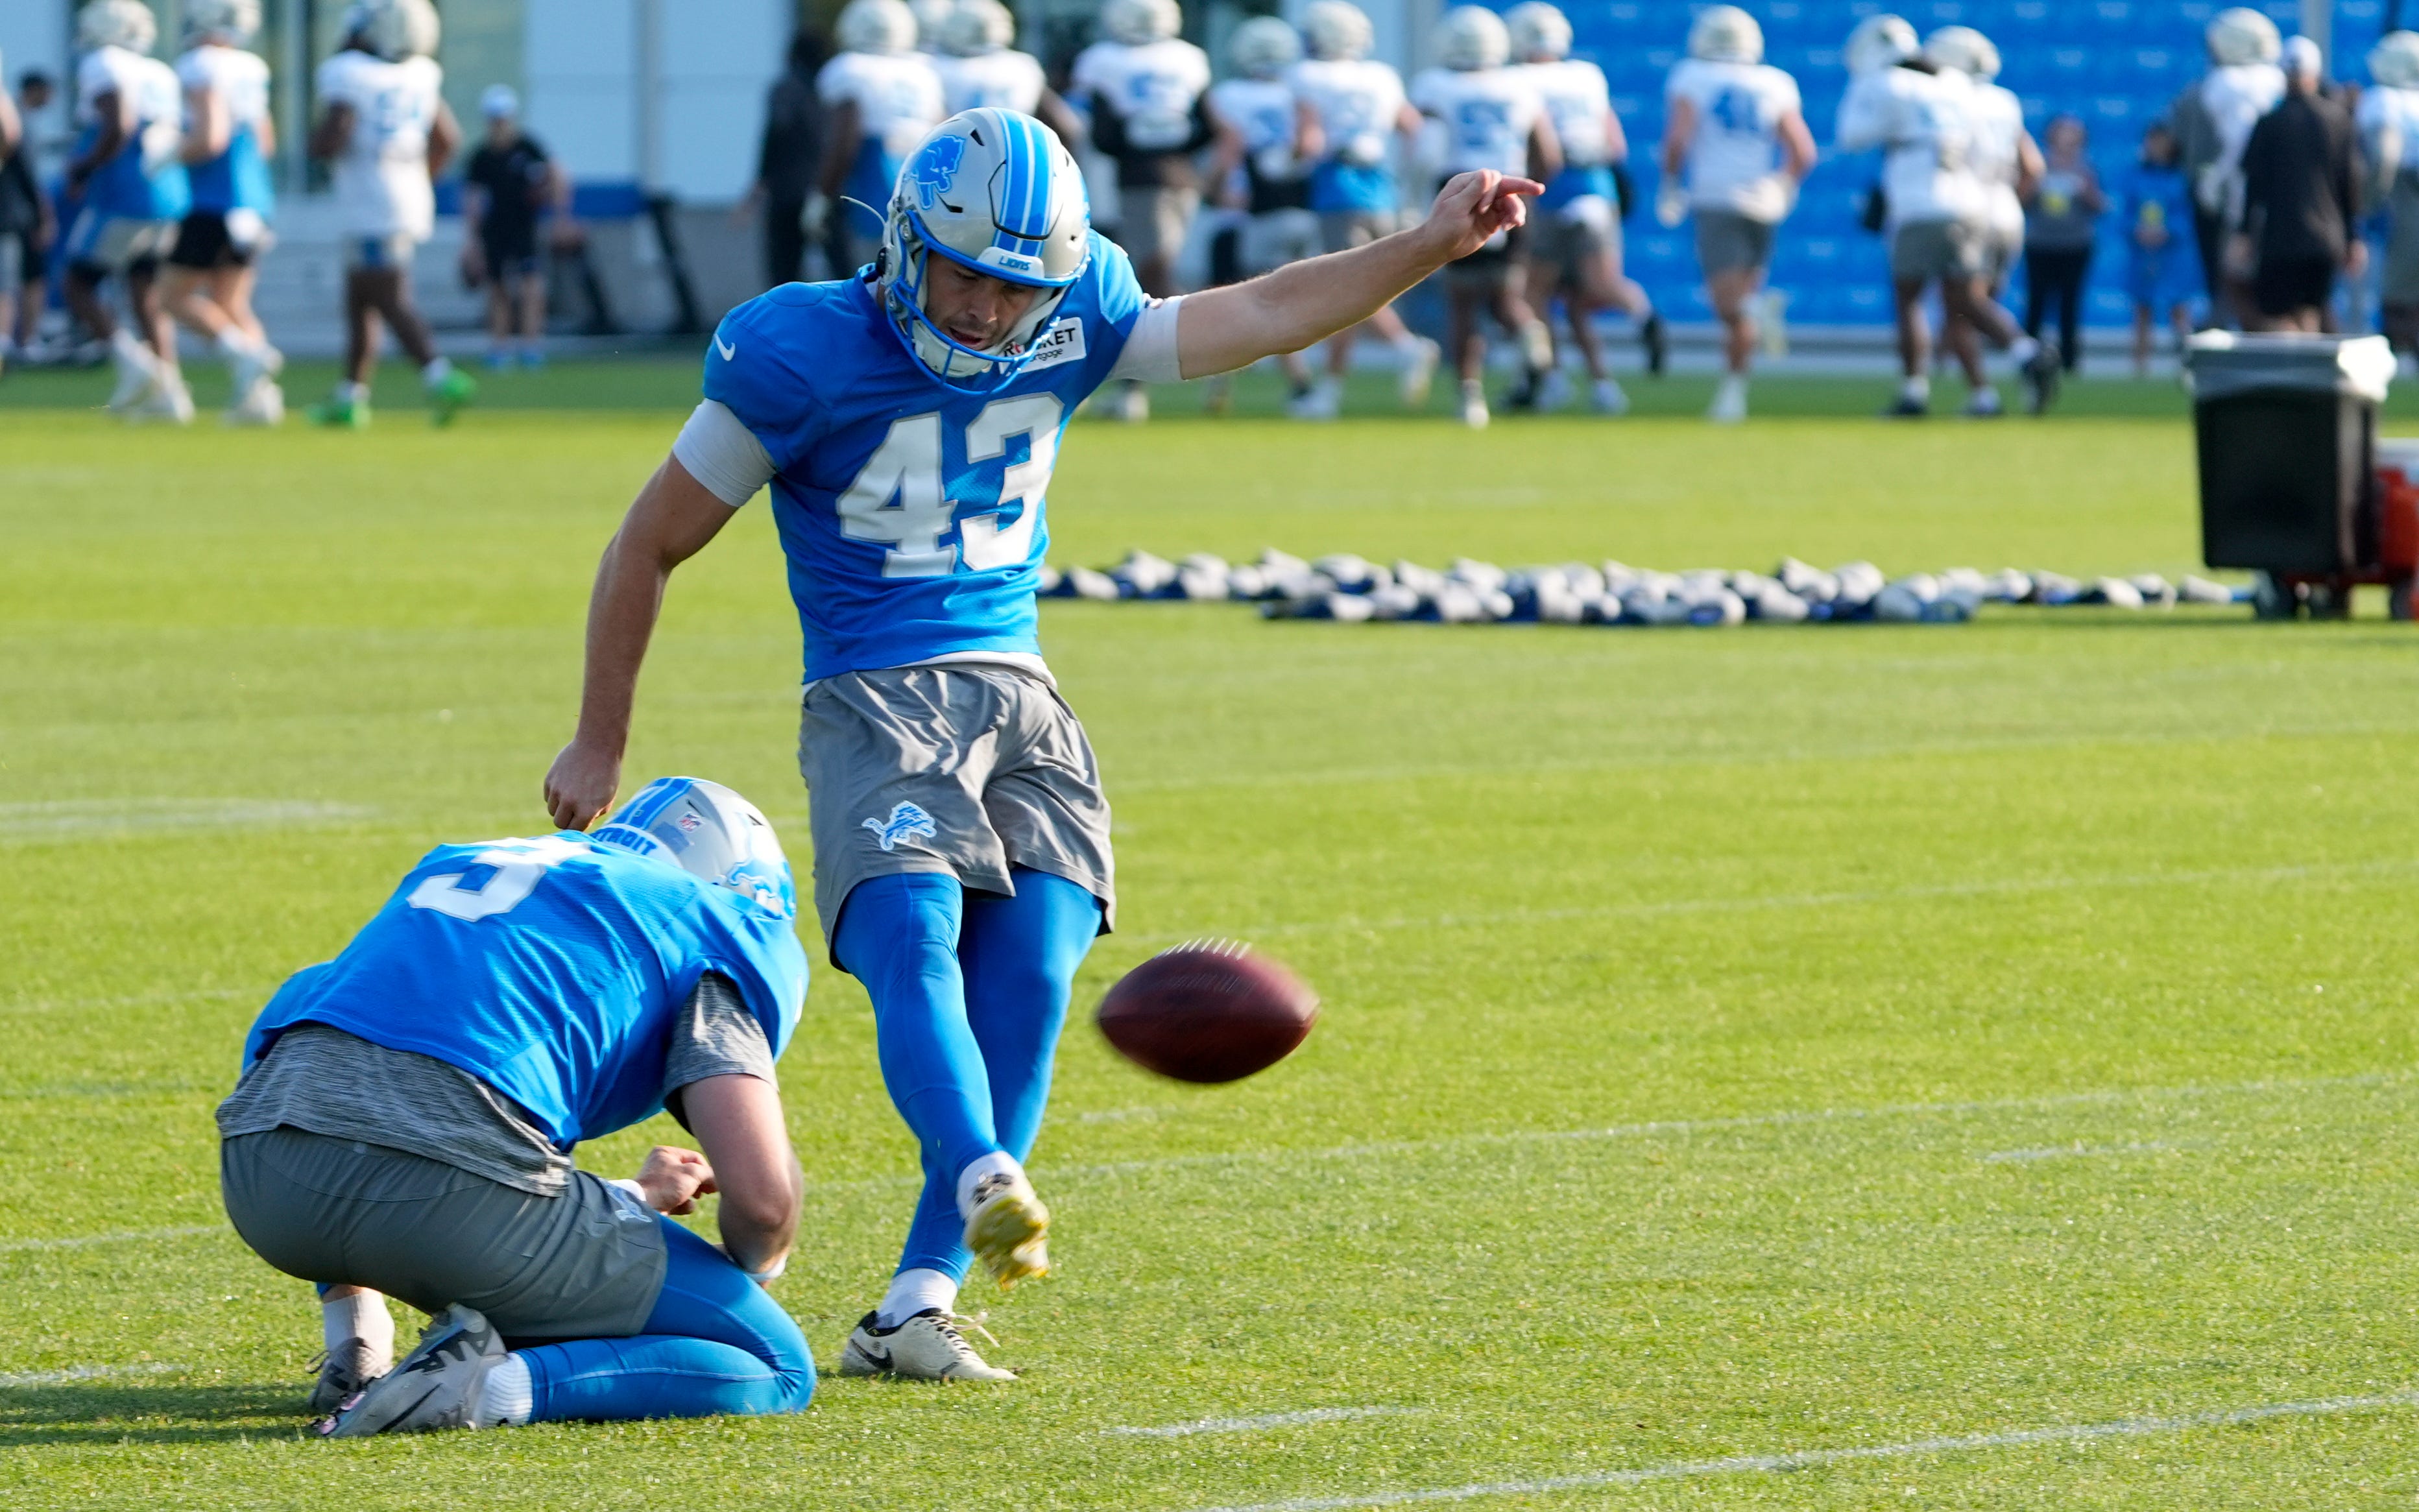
[{"x": 710, "y": 832}]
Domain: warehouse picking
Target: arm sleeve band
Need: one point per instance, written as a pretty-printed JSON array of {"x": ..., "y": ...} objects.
[
  {"x": 724, "y": 455},
  {"x": 1150, "y": 347}
]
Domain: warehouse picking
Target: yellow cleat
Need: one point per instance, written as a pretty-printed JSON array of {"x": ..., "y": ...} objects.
[{"x": 1009, "y": 1231}]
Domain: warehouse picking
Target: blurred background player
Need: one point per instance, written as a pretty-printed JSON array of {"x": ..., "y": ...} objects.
[
  {"x": 2213, "y": 121},
  {"x": 407, "y": 1113},
  {"x": 1574, "y": 240},
  {"x": 1146, "y": 92},
  {"x": 1736, "y": 136},
  {"x": 2061, "y": 229},
  {"x": 2005, "y": 164},
  {"x": 788, "y": 156},
  {"x": 1489, "y": 116},
  {"x": 2299, "y": 201},
  {"x": 384, "y": 127},
  {"x": 1355, "y": 111},
  {"x": 508, "y": 186},
  {"x": 1918, "y": 114},
  {"x": 880, "y": 97},
  {"x": 2389, "y": 126},
  {"x": 1258, "y": 170},
  {"x": 229, "y": 139},
  {"x": 28, "y": 225},
  {"x": 2163, "y": 276},
  {"x": 979, "y": 65},
  {"x": 129, "y": 173}
]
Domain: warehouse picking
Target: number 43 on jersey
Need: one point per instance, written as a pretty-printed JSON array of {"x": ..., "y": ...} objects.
[{"x": 898, "y": 499}]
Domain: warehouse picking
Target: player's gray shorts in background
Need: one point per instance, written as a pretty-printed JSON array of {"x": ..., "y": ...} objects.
[
  {"x": 2399, "y": 281},
  {"x": 1342, "y": 230},
  {"x": 1728, "y": 241},
  {"x": 1153, "y": 222},
  {"x": 586, "y": 1264},
  {"x": 968, "y": 770},
  {"x": 1568, "y": 238},
  {"x": 1275, "y": 238},
  {"x": 1937, "y": 248}
]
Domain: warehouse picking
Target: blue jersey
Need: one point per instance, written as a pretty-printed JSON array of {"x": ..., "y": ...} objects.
[
  {"x": 236, "y": 178},
  {"x": 145, "y": 180},
  {"x": 552, "y": 969},
  {"x": 2156, "y": 197},
  {"x": 911, "y": 512}
]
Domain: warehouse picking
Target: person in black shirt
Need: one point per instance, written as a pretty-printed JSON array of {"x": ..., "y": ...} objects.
[
  {"x": 2301, "y": 198},
  {"x": 510, "y": 183},
  {"x": 786, "y": 162}
]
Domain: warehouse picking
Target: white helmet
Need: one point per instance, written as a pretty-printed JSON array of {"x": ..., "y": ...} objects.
[
  {"x": 932, "y": 18},
  {"x": 127, "y": 23},
  {"x": 1540, "y": 32},
  {"x": 235, "y": 20},
  {"x": 1264, "y": 47},
  {"x": 1964, "y": 49},
  {"x": 395, "y": 29},
  {"x": 2393, "y": 62},
  {"x": 877, "y": 26},
  {"x": 1880, "y": 42},
  {"x": 1136, "y": 22},
  {"x": 1472, "y": 38},
  {"x": 711, "y": 833},
  {"x": 975, "y": 27},
  {"x": 2242, "y": 35},
  {"x": 1726, "y": 34},
  {"x": 995, "y": 191},
  {"x": 1337, "y": 30}
]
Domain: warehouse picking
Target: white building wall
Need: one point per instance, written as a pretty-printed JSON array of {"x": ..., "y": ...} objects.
[{"x": 655, "y": 92}]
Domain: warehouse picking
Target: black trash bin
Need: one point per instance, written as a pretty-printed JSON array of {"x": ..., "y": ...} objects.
[{"x": 2286, "y": 432}]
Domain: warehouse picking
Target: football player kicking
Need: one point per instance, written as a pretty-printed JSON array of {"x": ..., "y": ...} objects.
[
  {"x": 408, "y": 1110},
  {"x": 907, "y": 420}
]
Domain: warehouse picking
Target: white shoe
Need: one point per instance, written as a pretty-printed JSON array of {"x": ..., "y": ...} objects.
[
  {"x": 1474, "y": 405},
  {"x": 168, "y": 400},
  {"x": 1554, "y": 390},
  {"x": 137, "y": 382},
  {"x": 1537, "y": 345},
  {"x": 1132, "y": 406},
  {"x": 927, "y": 1347},
  {"x": 1730, "y": 402},
  {"x": 248, "y": 368},
  {"x": 1983, "y": 404},
  {"x": 1009, "y": 1229},
  {"x": 1419, "y": 372},
  {"x": 1605, "y": 395},
  {"x": 1322, "y": 400},
  {"x": 264, "y": 404}
]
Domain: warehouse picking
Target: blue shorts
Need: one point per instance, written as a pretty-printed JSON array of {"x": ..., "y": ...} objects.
[{"x": 2163, "y": 279}]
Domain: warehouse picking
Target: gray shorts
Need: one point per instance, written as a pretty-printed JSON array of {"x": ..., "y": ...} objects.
[
  {"x": 586, "y": 1264},
  {"x": 1728, "y": 241},
  {"x": 1152, "y": 223},
  {"x": 1342, "y": 230},
  {"x": 1568, "y": 240},
  {"x": 2000, "y": 250},
  {"x": 1275, "y": 238},
  {"x": 1925, "y": 250},
  {"x": 967, "y": 770},
  {"x": 2399, "y": 282}
]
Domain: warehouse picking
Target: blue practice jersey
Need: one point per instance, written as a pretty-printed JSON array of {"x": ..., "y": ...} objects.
[
  {"x": 551, "y": 968},
  {"x": 146, "y": 178},
  {"x": 911, "y": 512}
]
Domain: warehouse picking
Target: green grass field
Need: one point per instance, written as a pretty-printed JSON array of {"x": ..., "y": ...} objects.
[{"x": 1976, "y": 1061}]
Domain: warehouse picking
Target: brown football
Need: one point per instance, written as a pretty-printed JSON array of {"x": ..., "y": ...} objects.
[{"x": 1208, "y": 1011}]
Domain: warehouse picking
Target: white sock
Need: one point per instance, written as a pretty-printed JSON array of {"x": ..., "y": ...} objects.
[
  {"x": 2023, "y": 350},
  {"x": 1409, "y": 343},
  {"x": 506, "y": 1397},
  {"x": 233, "y": 343},
  {"x": 911, "y": 1292},
  {"x": 131, "y": 352},
  {"x": 353, "y": 394},
  {"x": 999, "y": 1163},
  {"x": 436, "y": 372},
  {"x": 362, "y": 1315},
  {"x": 1918, "y": 387}
]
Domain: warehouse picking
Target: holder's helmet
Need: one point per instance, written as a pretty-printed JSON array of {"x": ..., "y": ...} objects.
[{"x": 710, "y": 832}]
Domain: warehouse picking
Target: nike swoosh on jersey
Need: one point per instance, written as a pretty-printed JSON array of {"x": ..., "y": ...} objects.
[{"x": 729, "y": 353}]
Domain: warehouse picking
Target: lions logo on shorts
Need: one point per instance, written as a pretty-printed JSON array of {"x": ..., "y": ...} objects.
[{"x": 906, "y": 821}]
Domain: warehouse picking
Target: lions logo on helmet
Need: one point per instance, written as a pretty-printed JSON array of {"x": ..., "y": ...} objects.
[
  {"x": 2242, "y": 35},
  {"x": 1472, "y": 38},
  {"x": 1880, "y": 42},
  {"x": 1964, "y": 49},
  {"x": 127, "y": 23},
  {"x": 2393, "y": 62},
  {"x": 1726, "y": 34},
  {"x": 1540, "y": 32},
  {"x": 997, "y": 191},
  {"x": 1337, "y": 30},
  {"x": 710, "y": 832}
]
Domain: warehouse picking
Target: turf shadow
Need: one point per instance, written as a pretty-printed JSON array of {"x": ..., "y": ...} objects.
[{"x": 67, "y": 1415}]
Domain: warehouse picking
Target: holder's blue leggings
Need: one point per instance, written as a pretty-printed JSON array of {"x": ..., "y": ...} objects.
[
  {"x": 969, "y": 993},
  {"x": 715, "y": 1343}
]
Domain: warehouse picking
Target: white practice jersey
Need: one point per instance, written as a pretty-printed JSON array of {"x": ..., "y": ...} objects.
[
  {"x": 1487, "y": 115},
  {"x": 897, "y": 95},
  {"x": 148, "y": 85},
  {"x": 1357, "y": 101},
  {"x": 1580, "y": 103},
  {"x": 381, "y": 175},
  {"x": 1997, "y": 122},
  {"x": 1922, "y": 124},
  {"x": 235, "y": 76},
  {"x": 2389, "y": 126},
  {"x": 1152, "y": 87},
  {"x": 2235, "y": 98},
  {"x": 1005, "y": 80},
  {"x": 1735, "y": 158},
  {"x": 1261, "y": 112}
]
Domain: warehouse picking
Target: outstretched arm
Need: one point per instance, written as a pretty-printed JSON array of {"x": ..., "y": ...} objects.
[
  {"x": 670, "y": 521},
  {"x": 1220, "y": 329}
]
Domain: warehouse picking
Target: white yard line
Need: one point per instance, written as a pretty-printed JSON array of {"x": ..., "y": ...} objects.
[
  {"x": 85, "y": 1372},
  {"x": 1256, "y": 1425},
  {"x": 2005, "y": 1157},
  {"x": 1814, "y": 1459},
  {"x": 48, "y": 1005},
  {"x": 101, "y": 816},
  {"x": 131, "y": 1236}
]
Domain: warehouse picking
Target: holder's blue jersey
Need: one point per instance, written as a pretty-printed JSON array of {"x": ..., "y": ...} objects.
[
  {"x": 911, "y": 512},
  {"x": 549, "y": 968}
]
